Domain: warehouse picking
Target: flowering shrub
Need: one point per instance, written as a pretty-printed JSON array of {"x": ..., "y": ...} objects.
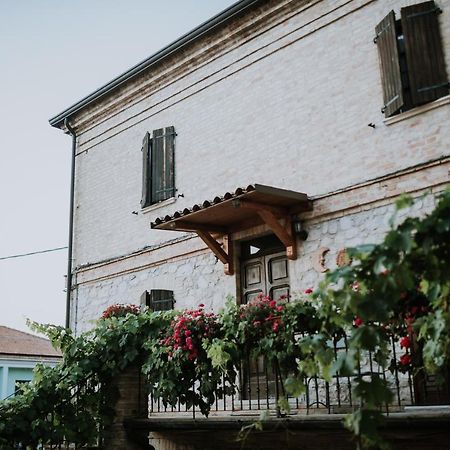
[
  {"x": 178, "y": 367},
  {"x": 120, "y": 310},
  {"x": 398, "y": 289},
  {"x": 188, "y": 331},
  {"x": 260, "y": 318}
]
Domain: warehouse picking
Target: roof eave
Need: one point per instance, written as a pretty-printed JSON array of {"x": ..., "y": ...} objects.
[{"x": 237, "y": 8}]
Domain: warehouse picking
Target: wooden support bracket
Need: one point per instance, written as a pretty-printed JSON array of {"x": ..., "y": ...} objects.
[
  {"x": 224, "y": 254},
  {"x": 284, "y": 233}
]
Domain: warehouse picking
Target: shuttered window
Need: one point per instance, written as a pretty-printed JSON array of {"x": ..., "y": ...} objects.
[
  {"x": 411, "y": 58},
  {"x": 158, "y": 299},
  {"x": 158, "y": 166}
]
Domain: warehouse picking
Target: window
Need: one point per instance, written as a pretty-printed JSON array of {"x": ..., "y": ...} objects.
[
  {"x": 411, "y": 58},
  {"x": 158, "y": 168},
  {"x": 158, "y": 299},
  {"x": 19, "y": 385}
]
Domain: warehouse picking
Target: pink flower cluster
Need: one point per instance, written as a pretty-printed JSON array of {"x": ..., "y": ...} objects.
[
  {"x": 120, "y": 310},
  {"x": 189, "y": 329},
  {"x": 263, "y": 314}
]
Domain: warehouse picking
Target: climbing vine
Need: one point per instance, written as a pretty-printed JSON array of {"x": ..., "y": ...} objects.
[{"x": 396, "y": 291}]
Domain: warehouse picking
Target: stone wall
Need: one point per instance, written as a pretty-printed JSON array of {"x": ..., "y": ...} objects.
[{"x": 197, "y": 277}]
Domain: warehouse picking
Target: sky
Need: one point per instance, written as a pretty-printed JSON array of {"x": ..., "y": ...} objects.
[{"x": 52, "y": 54}]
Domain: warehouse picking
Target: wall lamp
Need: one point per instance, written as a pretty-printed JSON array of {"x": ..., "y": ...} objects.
[{"x": 299, "y": 230}]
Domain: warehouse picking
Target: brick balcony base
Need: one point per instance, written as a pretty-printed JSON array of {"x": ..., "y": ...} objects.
[{"x": 421, "y": 429}]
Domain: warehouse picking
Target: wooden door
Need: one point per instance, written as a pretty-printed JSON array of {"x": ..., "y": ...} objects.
[
  {"x": 266, "y": 275},
  {"x": 264, "y": 270}
]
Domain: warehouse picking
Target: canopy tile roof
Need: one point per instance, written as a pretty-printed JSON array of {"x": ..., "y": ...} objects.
[
  {"x": 222, "y": 214},
  {"x": 15, "y": 342}
]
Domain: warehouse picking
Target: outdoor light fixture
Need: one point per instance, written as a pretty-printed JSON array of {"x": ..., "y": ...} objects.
[{"x": 299, "y": 230}]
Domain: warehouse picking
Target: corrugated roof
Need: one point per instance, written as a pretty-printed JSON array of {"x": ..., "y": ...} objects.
[{"x": 15, "y": 342}]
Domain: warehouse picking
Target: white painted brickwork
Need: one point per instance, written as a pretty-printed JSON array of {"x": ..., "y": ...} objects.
[{"x": 289, "y": 108}]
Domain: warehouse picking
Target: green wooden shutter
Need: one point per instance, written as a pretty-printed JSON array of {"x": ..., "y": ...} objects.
[
  {"x": 161, "y": 300},
  {"x": 163, "y": 164},
  {"x": 424, "y": 52},
  {"x": 157, "y": 178},
  {"x": 146, "y": 144},
  {"x": 169, "y": 166},
  {"x": 386, "y": 40}
]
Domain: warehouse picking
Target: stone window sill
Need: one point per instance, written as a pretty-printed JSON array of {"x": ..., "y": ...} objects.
[
  {"x": 151, "y": 208},
  {"x": 419, "y": 110}
]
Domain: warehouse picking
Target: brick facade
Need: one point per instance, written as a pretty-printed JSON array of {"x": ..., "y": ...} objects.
[{"x": 281, "y": 96}]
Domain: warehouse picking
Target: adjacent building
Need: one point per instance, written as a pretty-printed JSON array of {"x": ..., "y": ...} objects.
[{"x": 19, "y": 354}]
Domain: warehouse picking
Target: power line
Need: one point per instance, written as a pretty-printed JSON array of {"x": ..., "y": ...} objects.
[{"x": 33, "y": 253}]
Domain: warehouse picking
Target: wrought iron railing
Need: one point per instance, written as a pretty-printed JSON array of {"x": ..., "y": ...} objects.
[{"x": 259, "y": 386}]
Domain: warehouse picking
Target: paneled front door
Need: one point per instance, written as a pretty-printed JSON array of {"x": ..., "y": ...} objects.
[
  {"x": 264, "y": 270},
  {"x": 267, "y": 275}
]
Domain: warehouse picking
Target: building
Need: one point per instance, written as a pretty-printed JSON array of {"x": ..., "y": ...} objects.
[
  {"x": 197, "y": 172},
  {"x": 19, "y": 354}
]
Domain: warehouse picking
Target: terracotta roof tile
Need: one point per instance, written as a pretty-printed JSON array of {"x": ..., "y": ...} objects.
[{"x": 15, "y": 342}]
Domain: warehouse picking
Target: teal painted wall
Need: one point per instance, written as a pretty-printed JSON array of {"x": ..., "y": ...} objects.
[
  {"x": 12, "y": 370},
  {"x": 15, "y": 374}
]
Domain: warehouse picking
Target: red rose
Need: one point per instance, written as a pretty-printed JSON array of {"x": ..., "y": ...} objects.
[
  {"x": 308, "y": 291},
  {"x": 358, "y": 322},
  {"x": 405, "y": 359},
  {"x": 273, "y": 303},
  {"x": 201, "y": 305},
  {"x": 405, "y": 342}
]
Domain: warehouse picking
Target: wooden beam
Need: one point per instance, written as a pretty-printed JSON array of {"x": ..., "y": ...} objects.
[
  {"x": 214, "y": 246},
  {"x": 276, "y": 227},
  {"x": 228, "y": 249},
  {"x": 284, "y": 234},
  {"x": 291, "y": 250},
  {"x": 256, "y": 206},
  {"x": 191, "y": 226}
]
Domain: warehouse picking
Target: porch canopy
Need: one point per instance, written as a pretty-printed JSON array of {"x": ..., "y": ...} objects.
[{"x": 244, "y": 208}]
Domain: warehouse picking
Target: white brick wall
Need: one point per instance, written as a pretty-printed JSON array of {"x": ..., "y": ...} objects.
[{"x": 289, "y": 108}]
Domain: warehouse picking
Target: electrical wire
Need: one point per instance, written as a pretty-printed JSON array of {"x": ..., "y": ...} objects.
[{"x": 33, "y": 253}]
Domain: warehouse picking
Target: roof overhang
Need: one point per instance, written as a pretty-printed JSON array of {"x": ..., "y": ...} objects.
[
  {"x": 239, "y": 210},
  {"x": 213, "y": 23}
]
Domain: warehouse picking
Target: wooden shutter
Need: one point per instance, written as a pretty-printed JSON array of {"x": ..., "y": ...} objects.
[
  {"x": 157, "y": 179},
  {"x": 163, "y": 168},
  {"x": 424, "y": 52},
  {"x": 145, "y": 299},
  {"x": 161, "y": 300},
  {"x": 386, "y": 40},
  {"x": 169, "y": 167},
  {"x": 146, "y": 143}
]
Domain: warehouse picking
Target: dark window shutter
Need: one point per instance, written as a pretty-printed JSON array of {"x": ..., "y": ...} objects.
[
  {"x": 424, "y": 52},
  {"x": 145, "y": 299},
  {"x": 163, "y": 168},
  {"x": 157, "y": 179},
  {"x": 146, "y": 143},
  {"x": 161, "y": 300},
  {"x": 169, "y": 175},
  {"x": 386, "y": 40}
]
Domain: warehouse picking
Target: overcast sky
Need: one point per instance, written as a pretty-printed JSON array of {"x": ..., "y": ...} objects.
[{"x": 53, "y": 53}]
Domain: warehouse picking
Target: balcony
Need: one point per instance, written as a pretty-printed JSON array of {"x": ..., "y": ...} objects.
[{"x": 418, "y": 414}]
